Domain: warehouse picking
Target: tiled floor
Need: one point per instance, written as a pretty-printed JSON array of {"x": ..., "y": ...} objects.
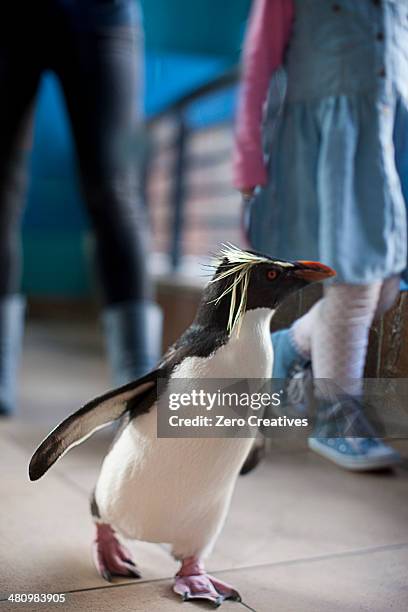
[{"x": 302, "y": 536}]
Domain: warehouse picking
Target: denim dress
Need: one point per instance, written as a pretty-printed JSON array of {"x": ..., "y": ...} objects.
[{"x": 338, "y": 164}]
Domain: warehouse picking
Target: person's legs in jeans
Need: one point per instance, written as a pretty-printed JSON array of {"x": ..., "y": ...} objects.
[
  {"x": 98, "y": 68},
  {"x": 19, "y": 76}
]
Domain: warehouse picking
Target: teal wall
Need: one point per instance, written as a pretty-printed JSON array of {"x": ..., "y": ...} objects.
[{"x": 202, "y": 27}]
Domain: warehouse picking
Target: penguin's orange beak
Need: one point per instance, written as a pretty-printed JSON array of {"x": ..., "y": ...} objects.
[{"x": 313, "y": 271}]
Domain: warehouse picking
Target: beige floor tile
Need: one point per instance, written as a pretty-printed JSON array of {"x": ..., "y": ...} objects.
[
  {"x": 63, "y": 366},
  {"x": 292, "y": 506},
  {"x": 370, "y": 582},
  {"x": 43, "y": 543},
  {"x": 140, "y": 597},
  {"x": 299, "y": 505},
  {"x": 46, "y": 532}
]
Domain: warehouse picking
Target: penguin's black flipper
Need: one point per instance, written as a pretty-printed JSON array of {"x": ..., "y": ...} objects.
[{"x": 95, "y": 415}]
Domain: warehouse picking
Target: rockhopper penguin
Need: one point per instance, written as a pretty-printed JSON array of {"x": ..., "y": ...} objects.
[{"x": 177, "y": 491}]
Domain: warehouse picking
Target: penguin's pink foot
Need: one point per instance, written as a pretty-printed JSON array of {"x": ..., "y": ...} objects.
[
  {"x": 111, "y": 558},
  {"x": 192, "y": 582}
]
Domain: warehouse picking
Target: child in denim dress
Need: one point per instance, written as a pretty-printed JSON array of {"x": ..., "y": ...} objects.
[{"x": 336, "y": 186}]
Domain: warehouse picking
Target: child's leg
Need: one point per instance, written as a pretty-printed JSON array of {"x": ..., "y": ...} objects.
[
  {"x": 334, "y": 336},
  {"x": 339, "y": 340},
  {"x": 339, "y": 337},
  {"x": 302, "y": 328}
]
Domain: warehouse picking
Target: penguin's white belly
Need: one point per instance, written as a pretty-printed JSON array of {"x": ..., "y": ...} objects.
[
  {"x": 168, "y": 490},
  {"x": 178, "y": 490}
]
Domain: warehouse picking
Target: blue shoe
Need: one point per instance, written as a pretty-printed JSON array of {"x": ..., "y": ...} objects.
[
  {"x": 343, "y": 435},
  {"x": 292, "y": 373}
]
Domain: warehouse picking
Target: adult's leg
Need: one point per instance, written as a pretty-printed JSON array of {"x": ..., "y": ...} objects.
[
  {"x": 98, "y": 68},
  {"x": 19, "y": 75}
]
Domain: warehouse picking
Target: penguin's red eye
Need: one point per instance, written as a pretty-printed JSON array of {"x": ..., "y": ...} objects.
[{"x": 272, "y": 274}]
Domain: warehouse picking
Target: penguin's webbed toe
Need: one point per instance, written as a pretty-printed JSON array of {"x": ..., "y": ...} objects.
[{"x": 111, "y": 558}]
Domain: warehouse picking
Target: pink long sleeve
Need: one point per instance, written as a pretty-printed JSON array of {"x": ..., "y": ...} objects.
[{"x": 266, "y": 39}]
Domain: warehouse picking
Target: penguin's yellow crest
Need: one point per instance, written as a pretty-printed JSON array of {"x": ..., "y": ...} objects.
[{"x": 239, "y": 264}]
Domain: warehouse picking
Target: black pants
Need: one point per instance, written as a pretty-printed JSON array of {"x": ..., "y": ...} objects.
[{"x": 91, "y": 45}]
